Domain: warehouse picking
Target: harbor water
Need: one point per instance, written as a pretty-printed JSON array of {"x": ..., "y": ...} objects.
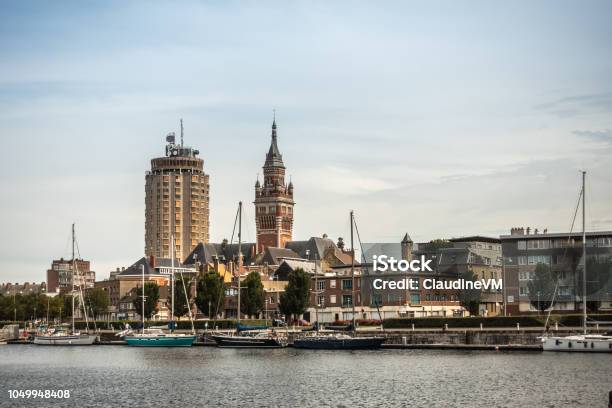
[{"x": 102, "y": 376}]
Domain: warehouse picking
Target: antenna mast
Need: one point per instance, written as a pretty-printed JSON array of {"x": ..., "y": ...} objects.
[{"x": 181, "y": 132}]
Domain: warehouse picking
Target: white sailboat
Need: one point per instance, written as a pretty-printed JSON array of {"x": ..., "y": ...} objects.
[
  {"x": 61, "y": 335},
  {"x": 581, "y": 342}
]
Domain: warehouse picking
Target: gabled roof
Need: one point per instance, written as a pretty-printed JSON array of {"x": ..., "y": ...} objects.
[
  {"x": 275, "y": 256},
  {"x": 136, "y": 268},
  {"x": 206, "y": 253},
  {"x": 391, "y": 249},
  {"x": 316, "y": 247}
]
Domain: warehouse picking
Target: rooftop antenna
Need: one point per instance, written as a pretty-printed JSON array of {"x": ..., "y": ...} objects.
[{"x": 181, "y": 132}]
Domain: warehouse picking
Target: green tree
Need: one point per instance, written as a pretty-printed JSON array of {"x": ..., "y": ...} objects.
[
  {"x": 181, "y": 304},
  {"x": 211, "y": 292},
  {"x": 438, "y": 243},
  {"x": 252, "y": 295},
  {"x": 470, "y": 298},
  {"x": 151, "y": 297},
  {"x": 97, "y": 301},
  {"x": 294, "y": 300},
  {"x": 542, "y": 287}
]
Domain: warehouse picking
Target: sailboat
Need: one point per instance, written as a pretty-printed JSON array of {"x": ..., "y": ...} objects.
[
  {"x": 157, "y": 337},
  {"x": 341, "y": 341},
  {"x": 246, "y": 337},
  {"x": 582, "y": 342},
  {"x": 61, "y": 335}
]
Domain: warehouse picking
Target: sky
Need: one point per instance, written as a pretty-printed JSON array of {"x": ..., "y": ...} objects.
[{"x": 440, "y": 119}]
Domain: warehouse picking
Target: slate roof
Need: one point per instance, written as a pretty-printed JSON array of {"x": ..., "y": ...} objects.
[
  {"x": 315, "y": 245},
  {"x": 274, "y": 158},
  {"x": 136, "y": 268},
  {"x": 391, "y": 249},
  {"x": 274, "y": 256},
  {"x": 224, "y": 252}
]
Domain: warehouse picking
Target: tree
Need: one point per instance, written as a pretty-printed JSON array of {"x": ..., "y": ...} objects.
[
  {"x": 542, "y": 287},
  {"x": 181, "y": 303},
  {"x": 211, "y": 293},
  {"x": 294, "y": 300},
  {"x": 470, "y": 298},
  {"x": 438, "y": 243},
  {"x": 252, "y": 295},
  {"x": 151, "y": 297},
  {"x": 97, "y": 301}
]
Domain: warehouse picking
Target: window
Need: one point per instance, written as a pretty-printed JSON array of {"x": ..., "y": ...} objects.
[
  {"x": 415, "y": 298},
  {"x": 320, "y": 285},
  {"x": 565, "y": 291},
  {"x": 523, "y": 291},
  {"x": 604, "y": 242},
  {"x": 525, "y": 275},
  {"x": 522, "y": 260},
  {"x": 522, "y": 244},
  {"x": 321, "y": 301},
  {"x": 538, "y": 244},
  {"x": 394, "y": 298},
  {"x": 347, "y": 284},
  {"x": 428, "y": 297},
  {"x": 332, "y": 284},
  {"x": 347, "y": 300},
  {"x": 376, "y": 299},
  {"x": 332, "y": 299},
  {"x": 536, "y": 259}
]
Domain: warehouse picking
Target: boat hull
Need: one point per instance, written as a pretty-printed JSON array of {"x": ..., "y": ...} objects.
[
  {"x": 246, "y": 342},
  {"x": 160, "y": 341},
  {"x": 355, "y": 343},
  {"x": 578, "y": 344},
  {"x": 76, "y": 340}
]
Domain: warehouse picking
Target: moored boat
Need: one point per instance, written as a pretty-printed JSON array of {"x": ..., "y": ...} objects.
[
  {"x": 578, "y": 343},
  {"x": 584, "y": 343},
  {"x": 259, "y": 340},
  {"x": 157, "y": 338}
]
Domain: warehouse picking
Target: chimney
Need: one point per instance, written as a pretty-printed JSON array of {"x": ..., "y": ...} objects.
[
  {"x": 545, "y": 230},
  {"x": 528, "y": 230},
  {"x": 535, "y": 231},
  {"x": 152, "y": 261}
]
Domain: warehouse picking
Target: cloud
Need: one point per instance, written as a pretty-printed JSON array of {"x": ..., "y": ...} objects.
[
  {"x": 578, "y": 104},
  {"x": 604, "y": 136}
]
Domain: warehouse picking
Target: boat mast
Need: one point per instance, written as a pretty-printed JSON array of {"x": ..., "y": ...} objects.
[
  {"x": 73, "y": 276},
  {"x": 316, "y": 293},
  {"x": 353, "y": 273},
  {"x": 143, "y": 298},
  {"x": 584, "y": 274},
  {"x": 172, "y": 283},
  {"x": 239, "y": 253}
]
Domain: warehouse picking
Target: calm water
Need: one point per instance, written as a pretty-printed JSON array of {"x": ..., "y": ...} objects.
[{"x": 101, "y": 376}]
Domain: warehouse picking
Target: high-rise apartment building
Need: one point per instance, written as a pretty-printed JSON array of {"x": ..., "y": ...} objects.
[
  {"x": 273, "y": 201},
  {"x": 177, "y": 197}
]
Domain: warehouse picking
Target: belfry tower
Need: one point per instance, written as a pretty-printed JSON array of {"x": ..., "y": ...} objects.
[{"x": 273, "y": 201}]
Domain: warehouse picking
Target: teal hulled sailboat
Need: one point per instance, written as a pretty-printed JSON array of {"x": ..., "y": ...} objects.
[{"x": 157, "y": 337}]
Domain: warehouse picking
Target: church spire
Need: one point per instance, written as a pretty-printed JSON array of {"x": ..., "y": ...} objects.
[{"x": 274, "y": 158}]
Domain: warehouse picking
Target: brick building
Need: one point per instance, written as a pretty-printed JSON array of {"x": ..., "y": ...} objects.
[{"x": 273, "y": 201}]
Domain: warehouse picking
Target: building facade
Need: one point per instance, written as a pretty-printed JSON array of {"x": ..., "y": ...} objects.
[
  {"x": 273, "y": 201},
  {"x": 561, "y": 253},
  {"x": 61, "y": 277},
  {"x": 176, "y": 202}
]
